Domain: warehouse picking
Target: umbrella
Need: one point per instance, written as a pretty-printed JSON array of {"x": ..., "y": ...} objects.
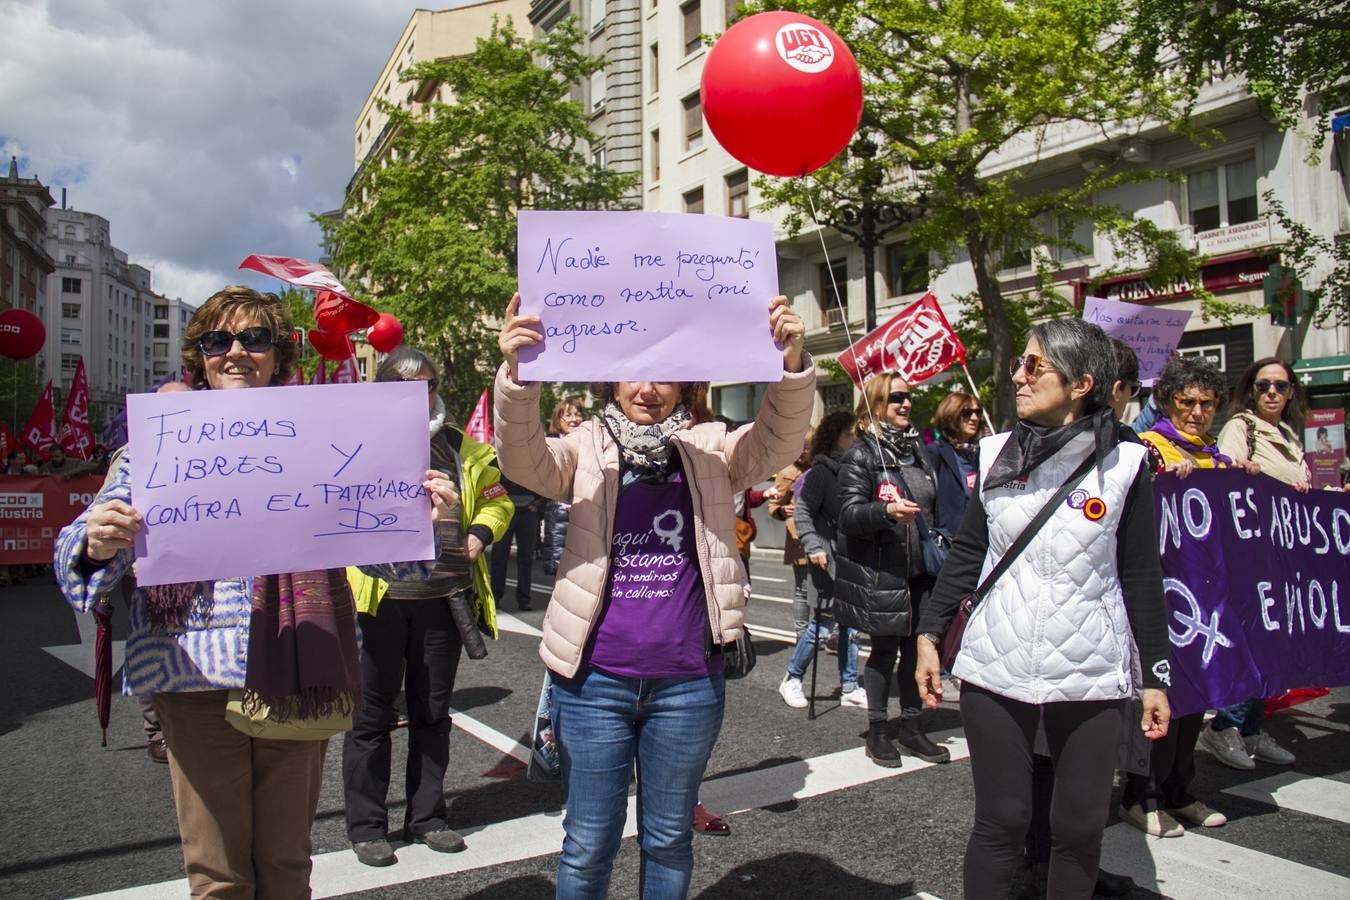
[{"x": 103, "y": 611}]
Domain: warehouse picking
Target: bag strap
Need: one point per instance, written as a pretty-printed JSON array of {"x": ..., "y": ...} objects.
[{"x": 1034, "y": 526}]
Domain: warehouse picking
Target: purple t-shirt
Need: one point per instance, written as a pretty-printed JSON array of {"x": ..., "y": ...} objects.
[{"x": 656, "y": 615}]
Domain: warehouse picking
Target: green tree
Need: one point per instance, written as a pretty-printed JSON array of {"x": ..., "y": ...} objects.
[
  {"x": 434, "y": 239},
  {"x": 949, "y": 86},
  {"x": 20, "y": 390}
]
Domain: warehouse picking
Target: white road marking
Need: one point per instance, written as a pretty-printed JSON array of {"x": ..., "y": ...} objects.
[
  {"x": 1195, "y": 867},
  {"x": 508, "y": 622},
  {"x": 80, "y": 657},
  {"x": 339, "y": 872},
  {"x": 1292, "y": 790},
  {"x": 490, "y": 736},
  {"x": 758, "y": 577}
]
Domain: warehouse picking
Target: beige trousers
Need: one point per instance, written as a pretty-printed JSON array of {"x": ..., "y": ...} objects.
[{"x": 245, "y": 805}]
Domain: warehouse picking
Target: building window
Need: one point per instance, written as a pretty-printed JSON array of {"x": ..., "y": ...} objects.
[
  {"x": 161, "y": 349},
  {"x": 597, "y": 90},
  {"x": 1073, "y": 234},
  {"x": 70, "y": 232},
  {"x": 693, "y": 122},
  {"x": 738, "y": 194},
  {"x": 656, "y": 154},
  {"x": 70, "y": 285},
  {"x": 598, "y": 157},
  {"x": 70, "y": 310},
  {"x": 597, "y": 13},
  {"x": 833, "y": 285},
  {"x": 68, "y": 363},
  {"x": 70, "y": 336},
  {"x": 693, "y": 201},
  {"x": 161, "y": 331},
  {"x": 654, "y": 55},
  {"x": 1223, "y": 195},
  {"x": 691, "y": 13},
  {"x": 161, "y": 313},
  {"x": 906, "y": 270}
]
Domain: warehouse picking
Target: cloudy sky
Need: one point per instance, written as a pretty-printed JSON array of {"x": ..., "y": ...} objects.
[{"x": 203, "y": 130}]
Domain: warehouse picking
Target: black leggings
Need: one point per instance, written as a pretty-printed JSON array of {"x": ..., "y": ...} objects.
[
  {"x": 882, "y": 657},
  {"x": 1001, "y": 734}
]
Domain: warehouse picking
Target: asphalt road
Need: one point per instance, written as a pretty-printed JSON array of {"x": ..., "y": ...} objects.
[{"x": 811, "y": 816}]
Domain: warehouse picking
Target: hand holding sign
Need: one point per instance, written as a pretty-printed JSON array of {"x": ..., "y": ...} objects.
[{"x": 110, "y": 528}]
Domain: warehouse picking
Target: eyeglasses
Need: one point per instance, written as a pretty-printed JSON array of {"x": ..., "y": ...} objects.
[
  {"x": 897, "y": 396},
  {"x": 1189, "y": 403},
  {"x": 1031, "y": 365},
  {"x": 1280, "y": 387},
  {"x": 255, "y": 340},
  {"x": 970, "y": 413},
  {"x": 432, "y": 383}
]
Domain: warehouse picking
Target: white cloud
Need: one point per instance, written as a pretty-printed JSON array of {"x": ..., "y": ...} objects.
[{"x": 202, "y": 131}]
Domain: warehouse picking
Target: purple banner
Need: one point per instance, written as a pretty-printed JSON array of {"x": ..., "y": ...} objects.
[{"x": 1257, "y": 578}]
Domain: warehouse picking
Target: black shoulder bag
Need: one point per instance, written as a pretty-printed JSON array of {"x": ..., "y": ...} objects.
[{"x": 950, "y": 644}]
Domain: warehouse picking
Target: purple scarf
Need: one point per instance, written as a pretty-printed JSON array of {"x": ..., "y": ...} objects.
[{"x": 1165, "y": 427}]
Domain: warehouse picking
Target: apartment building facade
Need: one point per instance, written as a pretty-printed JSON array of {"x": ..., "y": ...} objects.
[{"x": 24, "y": 260}]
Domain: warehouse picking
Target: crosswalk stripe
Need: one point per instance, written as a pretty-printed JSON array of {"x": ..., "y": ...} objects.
[
  {"x": 1302, "y": 793},
  {"x": 1195, "y": 867}
]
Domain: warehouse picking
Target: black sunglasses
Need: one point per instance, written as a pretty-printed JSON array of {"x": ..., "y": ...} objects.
[
  {"x": 255, "y": 340},
  {"x": 432, "y": 383},
  {"x": 970, "y": 413},
  {"x": 897, "y": 396},
  {"x": 1281, "y": 387}
]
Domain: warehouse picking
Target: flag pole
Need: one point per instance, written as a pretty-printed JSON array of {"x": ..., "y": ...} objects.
[{"x": 971, "y": 381}]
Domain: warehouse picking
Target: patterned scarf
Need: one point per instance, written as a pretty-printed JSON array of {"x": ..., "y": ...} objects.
[
  {"x": 904, "y": 443},
  {"x": 645, "y": 448},
  {"x": 303, "y": 659},
  {"x": 970, "y": 452},
  {"x": 1190, "y": 442}
]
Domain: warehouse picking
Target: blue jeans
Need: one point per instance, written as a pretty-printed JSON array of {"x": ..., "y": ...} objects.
[
  {"x": 801, "y": 605},
  {"x": 1246, "y": 717},
  {"x": 848, "y": 652},
  {"x": 604, "y": 723}
]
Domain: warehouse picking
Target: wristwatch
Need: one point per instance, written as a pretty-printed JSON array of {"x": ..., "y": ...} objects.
[{"x": 930, "y": 637}]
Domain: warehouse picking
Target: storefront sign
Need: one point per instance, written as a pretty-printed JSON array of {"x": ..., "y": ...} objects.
[
  {"x": 1232, "y": 238},
  {"x": 1246, "y": 270}
]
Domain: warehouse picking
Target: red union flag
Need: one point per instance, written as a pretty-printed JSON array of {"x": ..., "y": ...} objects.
[
  {"x": 917, "y": 342},
  {"x": 346, "y": 373},
  {"x": 298, "y": 272},
  {"x": 75, "y": 437},
  {"x": 480, "y": 426},
  {"x": 39, "y": 432}
]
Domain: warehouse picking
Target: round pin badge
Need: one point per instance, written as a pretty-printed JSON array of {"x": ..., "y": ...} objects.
[
  {"x": 888, "y": 493},
  {"x": 1077, "y": 498},
  {"x": 1095, "y": 508}
]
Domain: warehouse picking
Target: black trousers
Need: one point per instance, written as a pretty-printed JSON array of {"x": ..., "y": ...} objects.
[
  {"x": 413, "y": 645},
  {"x": 1001, "y": 734},
  {"x": 881, "y": 662},
  {"x": 524, "y": 528},
  {"x": 1171, "y": 768}
]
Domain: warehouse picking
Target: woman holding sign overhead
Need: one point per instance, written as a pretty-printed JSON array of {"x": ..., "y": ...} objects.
[
  {"x": 649, "y": 590},
  {"x": 245, "y": 804}
]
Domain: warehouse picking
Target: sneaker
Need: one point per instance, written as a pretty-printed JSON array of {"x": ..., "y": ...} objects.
[
  {"x": 791, "y": 692},
  {"x": 1156, "y": 823},
  {"x": 1227, "y": 747},
  {"x": 1199, "y": 815},
  {"x": 442, "y": 840},
  {"x": 375, "y": 853},
  {"x": 1263, "y": 748},
  {"x": 856, "y": 698}
]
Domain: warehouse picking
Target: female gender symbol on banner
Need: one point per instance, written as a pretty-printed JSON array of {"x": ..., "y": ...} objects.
[
  {"x": 1195, "y": 624},
  {"x": 672, "y": 536}
]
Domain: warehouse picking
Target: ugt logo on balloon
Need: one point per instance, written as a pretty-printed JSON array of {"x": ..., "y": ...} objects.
[{"x": 804, "y": 47}]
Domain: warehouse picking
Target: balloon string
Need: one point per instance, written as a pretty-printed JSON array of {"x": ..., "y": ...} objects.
[{"x": 875, "y": 429}]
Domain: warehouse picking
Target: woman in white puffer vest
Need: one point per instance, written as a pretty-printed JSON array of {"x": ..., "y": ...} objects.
[{"x": 1052, "y": 643}]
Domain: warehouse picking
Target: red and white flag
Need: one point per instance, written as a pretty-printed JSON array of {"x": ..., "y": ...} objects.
[
  {"x": 320, "y": 375},
  {"x": 75, "y": 437},
  {"x": 346, "y": 373},
  {"x": 299, "y": 272},
  {"x": 39, "y": 432},
  {"x": 7, "y": 443},
  {"x": 480, "y": 423},
  {"x": 917, "y": 342}
]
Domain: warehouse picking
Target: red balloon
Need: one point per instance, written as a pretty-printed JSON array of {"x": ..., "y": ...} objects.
[
  {"x": 337, "y": 314},
  {"x": 21, "y": 334},
  {"x": 782, "y": 93},
  {"x": 329, "y": 345},
  {"x": 386, "y": 333}
]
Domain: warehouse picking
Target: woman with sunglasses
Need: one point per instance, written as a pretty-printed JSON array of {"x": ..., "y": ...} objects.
[
  {"x": 887, "y": 493},
  {"x": 1267, "y": 414},
  {"x": 955, "y": 455},
  {"x": 1052, "y": 643},
  {"x": 245, "y": 805}
]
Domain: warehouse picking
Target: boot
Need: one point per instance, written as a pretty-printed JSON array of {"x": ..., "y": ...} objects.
[
  {"x": 915, "y": 741},
  {"x": 879, "y": 747},
  {"x": 464, "y": 621}
]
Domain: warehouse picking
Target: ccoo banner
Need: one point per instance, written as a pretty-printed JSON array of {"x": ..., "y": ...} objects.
[
  {"x": 33, "y": 509},
  {"x": 1257, "y": 579}
]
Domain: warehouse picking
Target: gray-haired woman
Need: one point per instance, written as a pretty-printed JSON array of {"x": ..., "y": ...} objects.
[
  {"x": 1050, "y": 644},
  {"x": 412, "y": 636}
]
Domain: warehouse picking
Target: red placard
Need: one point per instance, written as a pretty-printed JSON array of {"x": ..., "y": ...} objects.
[{"x": 34, "y": 508}]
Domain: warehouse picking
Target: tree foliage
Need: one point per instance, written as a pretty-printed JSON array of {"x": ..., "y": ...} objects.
[
  {"x": 434, "y": 237},
  {"x": 950, "y": 85}
]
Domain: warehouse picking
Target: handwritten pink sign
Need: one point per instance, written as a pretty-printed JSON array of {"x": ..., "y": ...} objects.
[
  {"x": 278, "y": 479},
  {"x": 630, "y": 296},
  {"x": 1152, "y": 332}
]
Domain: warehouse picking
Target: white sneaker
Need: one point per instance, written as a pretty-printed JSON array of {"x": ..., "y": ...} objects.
[
  {"x": 856, "y": 698},
  {"x": 1263, "y": 748},
  {"x": 791, "y": 692}
]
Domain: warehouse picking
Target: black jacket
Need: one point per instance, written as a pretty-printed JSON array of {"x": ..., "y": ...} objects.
[
  {"x": 817, "y": 515},
  {"x": 952, "y": 494},
  {"x": 872, "y": 563},
  {"x": 555, "y": 534}
]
